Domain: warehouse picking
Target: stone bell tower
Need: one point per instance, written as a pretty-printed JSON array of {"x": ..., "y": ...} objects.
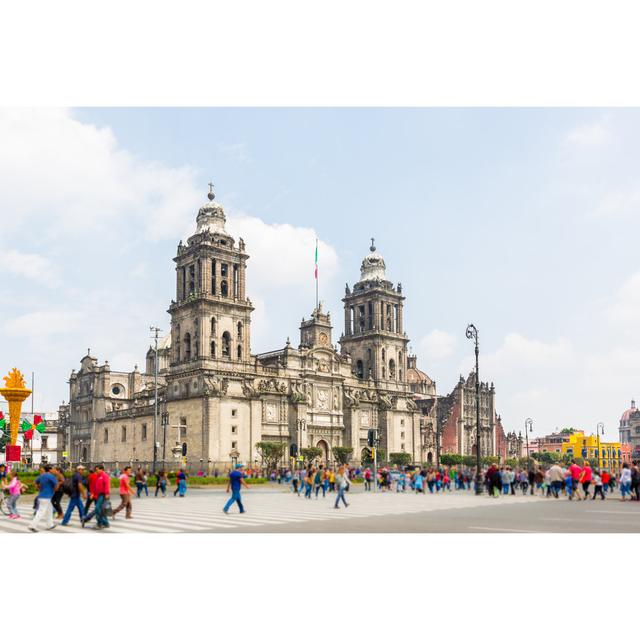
[
  {"x": 211, "y": 315},
  {"x": 373, "y": 317}
]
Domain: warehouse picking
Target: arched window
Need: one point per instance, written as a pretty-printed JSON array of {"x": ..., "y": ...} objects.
[
  {"x": 239, "y": 330},
  {"x": 226, "y": 345},
  {"x": 239, "y": 352},
  {"x": 106, "y": 436},
  {"x": 213, "y": 348},
  {"x": 187, "y": 346},
  {"x": 392, "y": 369},
  {"x": 383, "y": 355},
  {"x": 214, "y": 327},
  {"x": 224, "y": 288},
  {"x": 177, "y": 343},
  {"x": 359, "y": 369}
]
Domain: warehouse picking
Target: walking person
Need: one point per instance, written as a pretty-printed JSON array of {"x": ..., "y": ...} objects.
[
  {"x": 102, "y": 490},
  {"x": 598, "y": 486},
  {"x": 145, "y": 482},
  {"x": 585, "y": 479},
  {"x": 308, "y": 480},
  {"x": 161, "y": 483},
  {"x": 576, "y": 473},
  {"x": 625, "y": 482},
  {"x": 76, "y": 496},
  {"x": 181, "y": 483},
  {"x": 15, "y": 487},
  {"x": 294, "y": 483},
  {"x": 56, "y": 500},
  {"x": 367, "y": 479},
  {"x": 234, "y": 484},
  {"x": 47, "y": 484},
  {"x": 139, "y": 481},
  {"x": 556, "y": 478},
  {"x": 342, "y": 483},
  {"x": 91, "y": 486},
  {"x": 126, "y": 491}
]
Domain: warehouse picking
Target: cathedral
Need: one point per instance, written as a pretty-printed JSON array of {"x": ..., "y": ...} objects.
[{"x": 217, "y": 400}]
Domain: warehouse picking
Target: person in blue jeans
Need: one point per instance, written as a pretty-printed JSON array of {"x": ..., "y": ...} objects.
[
  {"x": 234, "y": 484},
  {"x": 76, "y": 497}
]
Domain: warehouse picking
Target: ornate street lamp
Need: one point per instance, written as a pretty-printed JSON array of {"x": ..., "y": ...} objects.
[
  {"x": 472, "y": 334},
  {"x": 528, "y": 428},
  {"x": 599, "y": 430}
]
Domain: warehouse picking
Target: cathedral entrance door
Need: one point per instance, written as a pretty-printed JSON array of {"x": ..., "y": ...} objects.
[{"x": 325, "y": 451}]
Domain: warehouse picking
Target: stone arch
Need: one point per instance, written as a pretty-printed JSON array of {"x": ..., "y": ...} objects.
[
  {"x": 187, "y": 346},
  {"x": 226, "y": 345},
  {"x": 430, "y": 458},
  {"x": 322, "y": 444}
]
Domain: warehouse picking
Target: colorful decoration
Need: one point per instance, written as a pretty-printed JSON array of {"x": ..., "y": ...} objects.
[
  {"x": 3, "y": 421},
  {"x": 39, "y": 424},
  {"x": 15, "y": 392},
  {"x": 25, "y": 425},
  {"x": 12, "y": 453}
]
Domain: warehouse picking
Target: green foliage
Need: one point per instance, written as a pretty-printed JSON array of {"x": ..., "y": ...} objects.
[
  {"x": 342, "y": 455},
  {"x": 271, "y": 453},
  {"x": 401, "y": 458},
  {"x": 567, "y": 430},
  {"x": 311, "y": 453},
  {"x": 5, "y": 438},
  {"x": 469, "y": 461},
  {"x": 367, "y": 456},
  {"x": 450, "y": 459},
  {"x": 487, "y": 460}
]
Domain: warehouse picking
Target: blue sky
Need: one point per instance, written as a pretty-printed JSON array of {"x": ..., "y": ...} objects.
[{"x": 523, "y": 221}]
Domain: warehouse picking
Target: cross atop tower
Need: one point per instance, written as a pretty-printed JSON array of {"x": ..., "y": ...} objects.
[
  {"x": 372, "y": 248},
  {"x": 211, "y": 195}
]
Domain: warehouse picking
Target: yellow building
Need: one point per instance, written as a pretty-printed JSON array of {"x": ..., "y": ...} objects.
[{"x": 586, "y": 447}]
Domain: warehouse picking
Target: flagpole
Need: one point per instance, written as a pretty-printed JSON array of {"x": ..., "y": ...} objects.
[
  {"x": 317, "y": 303},
  {"x": 33, "y": 388}
]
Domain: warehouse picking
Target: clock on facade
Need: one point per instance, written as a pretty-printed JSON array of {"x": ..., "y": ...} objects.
[{"x": 324, "y": 338}]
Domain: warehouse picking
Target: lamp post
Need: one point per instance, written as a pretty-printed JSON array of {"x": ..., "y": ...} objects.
[
  {"x": 472, "y": 334},
  {"x": 156, "y": 331},
  {"x": 302, "y": 426},
  {"x": 599, "y": 430},
  {"x": 528, "y": 428}
]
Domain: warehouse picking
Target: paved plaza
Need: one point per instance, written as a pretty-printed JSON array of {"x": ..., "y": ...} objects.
[{"x": 276, "y": 511}]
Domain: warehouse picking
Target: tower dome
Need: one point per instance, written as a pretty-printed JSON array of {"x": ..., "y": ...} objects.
[
  {"x": 211, "y": 215},
  {"x": 373, "y": 266}
]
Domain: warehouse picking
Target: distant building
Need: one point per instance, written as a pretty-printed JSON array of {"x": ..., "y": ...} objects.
[
  {"x": 579, "y": 445},
  {"x": 629, "y": 429}
]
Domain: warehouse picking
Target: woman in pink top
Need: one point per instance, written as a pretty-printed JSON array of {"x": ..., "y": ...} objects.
[
  {"x": 585, "y": 479},
  {"x": 15, "y": 490}
]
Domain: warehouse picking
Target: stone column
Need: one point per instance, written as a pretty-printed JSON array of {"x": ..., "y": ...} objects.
[
  {"x": 400, "y": 327},
  {"x": 347, "y": 320},
  {"x": 206, "y": 275},
  {"x": 242, "y": 274}
]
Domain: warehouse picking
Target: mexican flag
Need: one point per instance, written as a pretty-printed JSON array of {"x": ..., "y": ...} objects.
[
  {"x": 39, "y": 424},
  {"x": 316, "y": 271}
]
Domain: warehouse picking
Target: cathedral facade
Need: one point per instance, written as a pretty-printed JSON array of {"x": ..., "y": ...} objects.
[{"x": 220, "y": 400}]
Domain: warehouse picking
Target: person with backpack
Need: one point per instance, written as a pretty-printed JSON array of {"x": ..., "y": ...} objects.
[
  {"x": 102, "y": 490},
  {"x": 74, "y": 488},
  {"x": 181, "y": 483},
  {"x": 342, "y": 483}
]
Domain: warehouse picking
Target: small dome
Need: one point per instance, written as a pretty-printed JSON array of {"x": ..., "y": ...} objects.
[
  {"x": 373, "y": 266},
  {"x": 211, "y": 215},
  {"x": 625, "y": 416}
]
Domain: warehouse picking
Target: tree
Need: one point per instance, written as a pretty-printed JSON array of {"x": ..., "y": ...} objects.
[
  {"x": 401, "y": 458},
  {"x": 311, "y": 453},
  {"x": 271, "y": 453},
  {"x": 490, "y": 460},
  {"x": 342, "y": 455},
  {"x": 450, "y": 459},
  {"x": 567, "y": 430},
  {"x": 469, "y": 461},
  {"x": 5, "y": 439}
]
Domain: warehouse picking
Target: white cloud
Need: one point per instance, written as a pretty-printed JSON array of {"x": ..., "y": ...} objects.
[
  {"x": 31, "y": 266},
  {"x": 588, "y": 135},
  {"x": 60, "y": 175},
  {"x": 520, "y": 355},
  {"x": 624, "y": 309},
  {"x": 43, "y": 323},
  {"x": 437, "y": 345},
  {"x": 619, "y": 203}
]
